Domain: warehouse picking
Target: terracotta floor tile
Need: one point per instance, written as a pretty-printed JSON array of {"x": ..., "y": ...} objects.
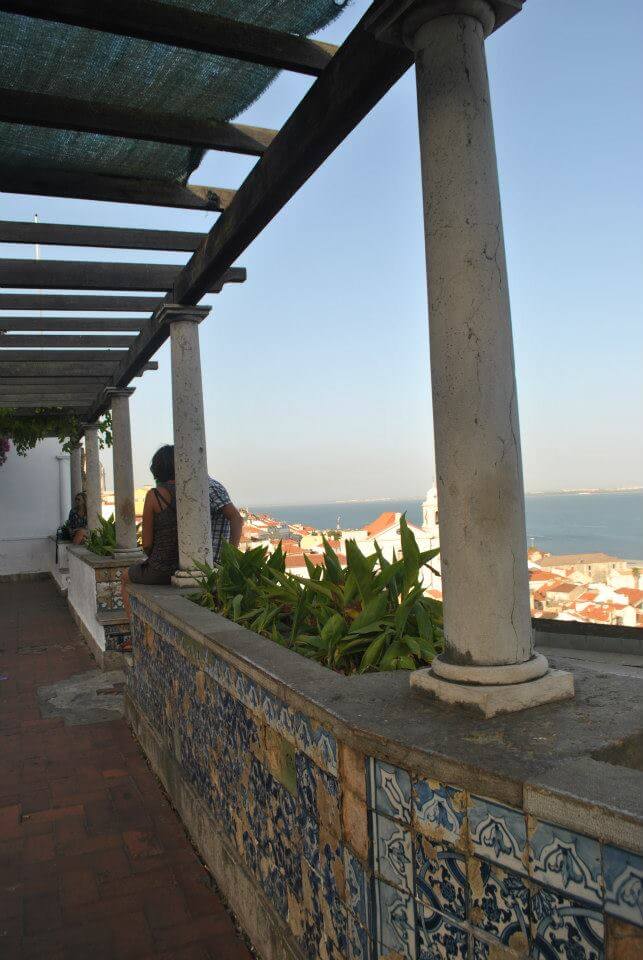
[{"x": 94, "y": 864}]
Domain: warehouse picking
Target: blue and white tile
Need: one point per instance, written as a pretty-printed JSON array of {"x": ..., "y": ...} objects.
[
  {"x": 480, "y": 949},
  {"x": 358, "y": 889},
  {"x": 394, "y": 922},
  {"x": 441, "y": 877},
  {"x": 499, "y": 903},
  {"x": 359, "y": 944},
  {"x": 439, "y": 937},
  {"x": 303, "y": 732},
  {"x": 392, "y": 852},
  {"x": 323, "y": 749},
  {"x": 389, "y": 790},
  {"x": 565, "y": 928},
  {"x": 440, "y": 811},
  {"x": 498, "y": 833},
  {"x": 623, "y": 872},
  {"x": 568, "y": 861}
]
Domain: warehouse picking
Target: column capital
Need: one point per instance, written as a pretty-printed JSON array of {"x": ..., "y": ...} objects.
[
  {"x": 423, "y": 12},
  {"x": 112, "y": 392},
  {"x": 169, "y": 312},
  {"x": 62, "y": 456},
  {"x": 90, "y": 426}
]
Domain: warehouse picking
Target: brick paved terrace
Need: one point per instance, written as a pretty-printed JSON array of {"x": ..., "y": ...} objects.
[{"x": 94, "y": 862}]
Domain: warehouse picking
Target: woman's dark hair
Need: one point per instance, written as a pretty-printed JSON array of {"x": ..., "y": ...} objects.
[{"x": 162, "y": 465}]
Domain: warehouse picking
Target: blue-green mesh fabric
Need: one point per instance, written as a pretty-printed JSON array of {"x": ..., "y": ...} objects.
[{"x": 41, "y": 57}]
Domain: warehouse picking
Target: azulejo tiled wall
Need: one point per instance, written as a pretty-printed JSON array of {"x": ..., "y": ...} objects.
[{"x": 362, "y": 859}]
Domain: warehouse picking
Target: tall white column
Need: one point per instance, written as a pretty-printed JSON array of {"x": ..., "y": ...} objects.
[
  {"x": 127, "y": 548},
  {"x": 76, "y": 471},
  {"x": 488, "y": 660},
  {"x": 92, "y": 475},
  {"x": 64, "y": 487},
  {"x": 190, "y": 457}
]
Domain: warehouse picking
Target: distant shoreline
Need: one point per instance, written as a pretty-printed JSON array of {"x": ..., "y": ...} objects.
[{"x": 580, "y": 492}]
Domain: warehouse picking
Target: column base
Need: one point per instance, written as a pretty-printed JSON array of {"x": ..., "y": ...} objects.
[
  {"x": 129, "y": 555},
  {"x": 185, "y": 578},
  {"x": 493, "y": 699}
]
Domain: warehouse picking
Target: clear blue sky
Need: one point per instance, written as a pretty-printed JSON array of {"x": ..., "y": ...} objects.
[{"x": 316, "y": 371}]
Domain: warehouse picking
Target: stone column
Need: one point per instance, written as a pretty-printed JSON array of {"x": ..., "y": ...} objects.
[
  {"x": 488, "y": 660},
  {"x": 190, "y": 458},
  {"x": 76, "y": 470},
  {"x": 127, "y": 548},
  {"x": 64, "y": 487},
  {"x": 92, "y": 475}
]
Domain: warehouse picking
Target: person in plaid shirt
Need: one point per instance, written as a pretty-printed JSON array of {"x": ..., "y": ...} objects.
[{"x": 226, "y": 520}]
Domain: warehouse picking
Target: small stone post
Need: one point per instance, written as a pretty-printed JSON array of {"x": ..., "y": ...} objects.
[
  {"x": 127, "y": 548},
  {"x": 489, "y": 660},
  {"x": 190, "y": 458},
  {"x": 76, "y": 471},
  {"x": 92, "y": 478}
]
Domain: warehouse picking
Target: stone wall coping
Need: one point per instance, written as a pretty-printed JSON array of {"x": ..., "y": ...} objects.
[
  {"x": 93, "y": 560},
  {"x": 519, "y": 759}
]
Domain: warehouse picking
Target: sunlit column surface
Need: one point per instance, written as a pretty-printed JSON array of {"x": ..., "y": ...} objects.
[
  {"x": 92, "y": 475},
  {"x": 76, "y": 471},
  {"x": 190, "y": 457},
  {"x": 126, "y": 545},
  {"x": 477, "y": 438}
]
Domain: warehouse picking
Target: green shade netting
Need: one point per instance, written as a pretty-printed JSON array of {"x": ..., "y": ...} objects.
[{"x": 42, "y": 57}]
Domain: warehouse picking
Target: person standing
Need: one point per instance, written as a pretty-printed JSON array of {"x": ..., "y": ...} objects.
[{"x": 227, "y": 522}]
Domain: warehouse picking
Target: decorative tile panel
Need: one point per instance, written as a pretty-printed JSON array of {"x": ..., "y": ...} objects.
[
  {"x": 499, "y": 903},
  {"x": 568, "y": 861},
  {"x": 359, "y": 945},
  {"x": 441, "y": 877},
  {"x": 358, "y": 892},
  {"x": 394, "y": 925},
  {"x": 440, "y": 811},
  {"x": 623, "y": 873},
  {"x": 498, "y": 833},
  {"x": 439, "y": 936},
  {"x": 564, "y": 928},
  {"x": 393, "y": 852},
  {"x": 389, "y": 790}
]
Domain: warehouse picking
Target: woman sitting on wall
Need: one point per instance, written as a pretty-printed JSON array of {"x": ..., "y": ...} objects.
[
  {"x": 160, "y": 538},
  {"x": 77, "y": 521}
]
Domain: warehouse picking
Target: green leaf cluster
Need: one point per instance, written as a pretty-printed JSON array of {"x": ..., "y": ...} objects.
[
  {"x": 102, "y": 541},
  {"x": 371, "y": 615},
  {"x": 26, "y": 431}
]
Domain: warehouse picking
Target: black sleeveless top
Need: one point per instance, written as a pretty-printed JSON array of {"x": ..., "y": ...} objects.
[{"x": 164, "y": 555}]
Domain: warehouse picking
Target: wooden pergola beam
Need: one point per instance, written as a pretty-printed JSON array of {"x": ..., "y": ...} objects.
[
  {"x": 358, "y": 76},
  {"x": 93, "y": 275},
  {"x": 44, "y": 399},
  {"x": 8, "y": 340},
  {"x": 62, "y": 324},
  {"x": 39, "y": 369},
  {"x": 126, "y": 238},
  {"x": 62, "y": 356},
  {"x": 188, "y": 29},
  {"x": 64, "y": 113},
  {"x": 53, "y": 384},
  {"x": 72, "y": 301},
  {"x": 88, "y": 186}
]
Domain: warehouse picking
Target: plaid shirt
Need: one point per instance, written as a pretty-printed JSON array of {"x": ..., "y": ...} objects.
[{"x": 219, "y": 498}]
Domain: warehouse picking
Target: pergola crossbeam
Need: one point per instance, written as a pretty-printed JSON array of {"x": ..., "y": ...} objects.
[
  {"x": 93, "y": 186},
  {"x": 126, "y": 238},
  {"x": 77, "y": 275},
  {"x": 67, "y": 301},
  {"x": 61, "y": 356},
  {"x": 8, "y": 340},
  {"x": 9, "y": 368},
  {"x": 64, "y": 113},
  {"x": 184, "y": 28},
  {"x": 62, "y": 324}
]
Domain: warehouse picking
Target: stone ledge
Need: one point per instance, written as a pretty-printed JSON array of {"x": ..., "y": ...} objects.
[
  {"x": 92, "y": 559},
  {"x": 498, "y": 757}
]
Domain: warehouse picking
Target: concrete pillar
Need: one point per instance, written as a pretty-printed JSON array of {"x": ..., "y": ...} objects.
[
  {"x": 190, "y": 458},
  {"x": 76, "y": 471},
  {"x": 127, "y": 548},
  {"x": 92, "y": 477},
  {"x": 488, "y": 660},
  {"x": 64, "y": 487}
]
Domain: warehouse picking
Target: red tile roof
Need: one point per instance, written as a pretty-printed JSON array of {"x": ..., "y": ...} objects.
[{"x": 383, "y": 522}]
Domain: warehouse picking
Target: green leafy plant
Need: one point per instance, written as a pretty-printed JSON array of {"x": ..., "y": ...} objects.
[
  {"x": 27, "y": 430},
  {"x": 102, "y": 541},
  {"x": 371, "y": 615}
]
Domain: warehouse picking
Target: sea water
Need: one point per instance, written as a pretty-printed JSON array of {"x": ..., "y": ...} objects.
[{"x": 558, "y": 523}]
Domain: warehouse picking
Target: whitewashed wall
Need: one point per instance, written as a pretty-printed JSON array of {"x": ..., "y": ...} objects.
[{"x": 30, "y": 508}]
